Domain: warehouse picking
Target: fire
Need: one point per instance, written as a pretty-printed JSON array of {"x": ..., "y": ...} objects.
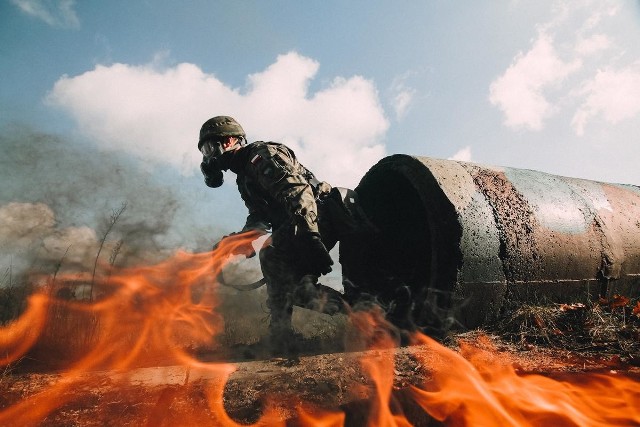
[
  {"x": 151, "y": 316},
  {"x": 474, "y": 387}
]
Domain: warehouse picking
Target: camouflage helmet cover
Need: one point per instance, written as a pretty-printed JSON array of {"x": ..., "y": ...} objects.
[{"x": 220, "y": 126}]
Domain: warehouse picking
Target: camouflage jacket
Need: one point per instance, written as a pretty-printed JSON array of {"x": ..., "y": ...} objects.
[{"x": 276, "y": 188}]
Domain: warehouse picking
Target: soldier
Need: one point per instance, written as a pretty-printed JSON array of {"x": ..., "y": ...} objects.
[{"x": 281, "y": 195}]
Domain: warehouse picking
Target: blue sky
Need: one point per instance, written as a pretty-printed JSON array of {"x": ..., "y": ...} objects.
[{"x": 101, "y": 102}]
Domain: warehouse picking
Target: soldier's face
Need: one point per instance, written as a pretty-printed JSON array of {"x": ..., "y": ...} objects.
[
  {"x": 229, "y": 142},
  {"x": 214, "y": 148}
]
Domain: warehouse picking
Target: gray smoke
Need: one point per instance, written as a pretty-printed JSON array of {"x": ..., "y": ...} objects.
[{"x": 58, "y": 198}]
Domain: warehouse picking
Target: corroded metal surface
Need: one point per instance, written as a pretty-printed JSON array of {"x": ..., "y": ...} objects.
[{"x": 483, "y": 236}]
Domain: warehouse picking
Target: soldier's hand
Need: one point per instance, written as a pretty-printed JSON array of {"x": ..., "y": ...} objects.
[
  {"x": 213, "y": 176},
  {"x": 244, "y": 247},
  {"x": 241, "y": 243},
  {"x": 315, "y": 253}
]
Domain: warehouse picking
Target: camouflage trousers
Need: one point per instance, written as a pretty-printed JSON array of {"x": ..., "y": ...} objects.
[
  {"x": 283, "y": 267},
  {"x": 283, "y": 262}
]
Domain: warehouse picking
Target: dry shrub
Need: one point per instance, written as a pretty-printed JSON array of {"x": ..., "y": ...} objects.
[
  {"x": 13, "y": 301},
  {"x": 606, "y": 325}
]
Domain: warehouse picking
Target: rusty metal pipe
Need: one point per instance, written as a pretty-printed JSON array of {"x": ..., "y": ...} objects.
[{"x": 467, "y": 238}]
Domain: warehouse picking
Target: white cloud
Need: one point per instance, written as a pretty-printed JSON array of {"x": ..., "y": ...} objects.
[
  {"x": 597, "y": 77},
  {"x": 401, "y": 95},
  {"x": 57, "y": 13},
  {"x": 402, "y": 101},
  {"x": 155, "y": 114},
  {"x": 613, "y": 94},
  {"x": 519, "y": 92},
  {"x": 462, "y": 155},
  {"x": 593, "y": 44}
]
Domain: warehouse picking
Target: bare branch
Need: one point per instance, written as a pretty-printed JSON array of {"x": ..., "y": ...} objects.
[{"x": 115, "y": 215}]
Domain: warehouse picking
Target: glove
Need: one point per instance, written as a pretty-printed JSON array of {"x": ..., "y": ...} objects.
[
  {"x": 241, "y": 243},
  {"x": 244, "y": 246},
  {"x": 315, "y": 254},
  {"x": 212, "y": 172}
]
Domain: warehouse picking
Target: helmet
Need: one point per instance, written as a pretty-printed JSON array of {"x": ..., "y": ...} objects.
[
  {"x": 219, "y": 127},
  {"x": 210, "y": 143}
]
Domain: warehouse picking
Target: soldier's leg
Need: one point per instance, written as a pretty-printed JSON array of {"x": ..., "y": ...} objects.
[{"x": 281, "y": 279}]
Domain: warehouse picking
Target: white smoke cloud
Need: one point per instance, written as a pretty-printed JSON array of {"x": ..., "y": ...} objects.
[
  {"x": 77, "y": 245},
  {"x": 22, "y": 223},
  {"x": 155, "y": 114},
  {"x": 29, "y": 229},
  {"x": 57, "y": 13}
]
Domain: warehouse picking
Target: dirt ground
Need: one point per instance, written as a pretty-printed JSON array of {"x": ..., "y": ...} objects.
[
  {"x": 334, "y": 381},
  {"x": 337, "y": 371}
]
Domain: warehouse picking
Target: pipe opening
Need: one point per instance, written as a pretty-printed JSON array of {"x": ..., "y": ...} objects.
[
  {"x": 399, "y": 254},
  {"x": 395, "y": 207},
  {"x": 415, "y": 253}
]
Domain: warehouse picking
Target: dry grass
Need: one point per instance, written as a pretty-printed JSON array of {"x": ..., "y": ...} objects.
[
  {"x": 606, "y": 326},
  {"x": 13, "y": 297}
]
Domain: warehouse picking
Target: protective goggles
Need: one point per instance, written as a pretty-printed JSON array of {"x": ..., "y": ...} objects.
[{"x": 211, "y": 147}]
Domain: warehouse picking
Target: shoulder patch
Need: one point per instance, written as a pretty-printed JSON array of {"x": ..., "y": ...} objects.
[{"x": 256, "y": 159}]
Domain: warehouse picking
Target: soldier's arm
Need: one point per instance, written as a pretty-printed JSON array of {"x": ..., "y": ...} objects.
[
  {"x": 255, "y": 221},
  {"x": 280, "y": 174}
]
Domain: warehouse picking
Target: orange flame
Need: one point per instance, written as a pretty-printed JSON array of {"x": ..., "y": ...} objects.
[
  {"x": 476, "y": 388},
  {"x": 148, "y": 316}
]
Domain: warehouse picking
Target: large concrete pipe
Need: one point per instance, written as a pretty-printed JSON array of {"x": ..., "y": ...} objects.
[{"x": 467, "y": 238}]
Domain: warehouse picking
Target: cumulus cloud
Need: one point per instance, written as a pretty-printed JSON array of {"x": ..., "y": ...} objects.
[
  {"x": 155, "y": 114},
  {"x": 612, "y": 94},
  {"x": 57, "y": 13},
  {"x": 462, "y": 155},
  {"x": 598, "y": 77},
  {"x": 520, "y": 91}
]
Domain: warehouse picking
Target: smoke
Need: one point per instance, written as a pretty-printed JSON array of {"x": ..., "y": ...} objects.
[
  {"x": 58, "y": 199},
  {"x": 24, "y": 222}
]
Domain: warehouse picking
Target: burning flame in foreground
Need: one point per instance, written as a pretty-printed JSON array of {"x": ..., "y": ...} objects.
[{"x": 147, "y": 316}]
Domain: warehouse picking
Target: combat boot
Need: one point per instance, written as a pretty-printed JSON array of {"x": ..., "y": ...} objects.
[
  {"x": 315, "y": 296},
  {"x": 285, "y": 343}
]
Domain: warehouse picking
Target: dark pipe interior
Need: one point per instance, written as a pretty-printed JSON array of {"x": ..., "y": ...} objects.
[{"x": 401, "y": 252}]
